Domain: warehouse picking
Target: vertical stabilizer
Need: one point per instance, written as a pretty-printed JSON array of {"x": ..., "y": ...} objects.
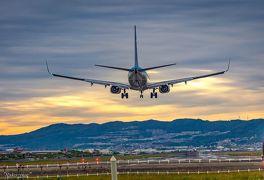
[{"x": 136, "y": 55}]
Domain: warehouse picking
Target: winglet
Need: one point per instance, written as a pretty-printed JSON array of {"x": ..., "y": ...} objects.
[
  {"x": 48, "y": 68},
  {"x": 228, "y": 66}
]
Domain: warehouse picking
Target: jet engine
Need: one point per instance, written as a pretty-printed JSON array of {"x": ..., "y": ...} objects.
[
  {"x": 115, "y": 90},
  {"x": 164, "y": 89}
]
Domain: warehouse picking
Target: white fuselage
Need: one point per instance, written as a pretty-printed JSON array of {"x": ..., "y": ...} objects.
[{"x": 138, "y": 80}]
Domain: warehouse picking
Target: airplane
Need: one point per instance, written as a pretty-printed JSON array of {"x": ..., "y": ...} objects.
[{"x": 138, "y": 78}]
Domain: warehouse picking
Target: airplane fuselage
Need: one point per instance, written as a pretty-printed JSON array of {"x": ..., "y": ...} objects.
[{"x": 137, "y": 79}]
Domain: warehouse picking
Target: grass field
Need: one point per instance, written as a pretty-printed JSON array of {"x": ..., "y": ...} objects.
[
  {"x": 240, "y": 153},
  {"x": 213, "y": 176},
  {"x": 121, "y": 157}
]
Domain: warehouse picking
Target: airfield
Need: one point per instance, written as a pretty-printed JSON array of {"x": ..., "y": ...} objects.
[
  {"x": 139, "y": 167},
  {"x": 188, "y": 164}
]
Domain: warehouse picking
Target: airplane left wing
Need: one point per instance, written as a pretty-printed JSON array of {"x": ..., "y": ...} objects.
[
  {"x": 176, "y": 81},
  {"x": 92, "y": 81}
]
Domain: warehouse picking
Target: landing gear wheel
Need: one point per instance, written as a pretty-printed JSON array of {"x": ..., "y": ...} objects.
[
  {"x": 124, "y": 95},
  {"x": 153, "y": 94},
  {"x": 141, "y": 94}
]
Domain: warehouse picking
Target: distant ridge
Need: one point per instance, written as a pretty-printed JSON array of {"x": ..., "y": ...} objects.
[{"x": 137, "y": 134}]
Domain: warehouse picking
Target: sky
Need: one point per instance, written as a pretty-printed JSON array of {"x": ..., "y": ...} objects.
[{"x": 200, "y": 36}]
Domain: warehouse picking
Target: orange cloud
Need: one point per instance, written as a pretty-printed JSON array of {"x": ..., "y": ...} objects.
[{"x": 99, "y": 106}]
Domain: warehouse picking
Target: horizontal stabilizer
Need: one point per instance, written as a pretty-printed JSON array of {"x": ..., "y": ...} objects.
[
  {"x": 112, "y": 67},
  {"x": 156, "y": 67}
]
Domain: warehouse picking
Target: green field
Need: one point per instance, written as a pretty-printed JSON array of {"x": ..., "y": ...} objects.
[
  {"x": 240, "y": 153},
  {"x": 210, "y": 176},
  {"x": 119, "y": 157}
]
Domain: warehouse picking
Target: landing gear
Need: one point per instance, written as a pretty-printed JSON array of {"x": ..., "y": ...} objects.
[
  {"x": 154, "y": 94},
  {"x": 141, "y": 95},
  {"x": 124, "y": 94}
]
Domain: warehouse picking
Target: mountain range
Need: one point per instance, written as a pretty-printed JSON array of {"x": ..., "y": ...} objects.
[{"x": 128, "y": 136}]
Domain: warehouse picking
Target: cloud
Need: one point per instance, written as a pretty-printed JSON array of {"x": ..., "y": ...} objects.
[{"x": 73, "y": 36}]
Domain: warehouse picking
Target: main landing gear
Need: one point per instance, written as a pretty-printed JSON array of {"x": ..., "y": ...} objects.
[
  {"x": 124, "y": 94},
  {"x": 153, "y": 94}
]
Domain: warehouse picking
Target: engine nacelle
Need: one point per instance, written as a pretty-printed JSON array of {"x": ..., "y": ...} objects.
[
  {"x": 115, "y": 90},
  {"x": 164, "y": 89}
]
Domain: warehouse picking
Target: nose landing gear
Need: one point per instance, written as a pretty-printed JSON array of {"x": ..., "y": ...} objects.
[{"x": 141, "y": 94}]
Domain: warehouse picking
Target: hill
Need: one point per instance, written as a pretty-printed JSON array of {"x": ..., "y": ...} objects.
[{"x": 141, "y": 134}]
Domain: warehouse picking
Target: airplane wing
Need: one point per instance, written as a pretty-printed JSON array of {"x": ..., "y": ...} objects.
[
  {"x": 176, "y": 81},
  {"x": 92, "y": 81}
]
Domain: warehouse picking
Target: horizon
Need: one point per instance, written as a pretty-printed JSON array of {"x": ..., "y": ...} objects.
[
  {"x": 48, "y": 125},
  {"x": 73, "y": 36}
]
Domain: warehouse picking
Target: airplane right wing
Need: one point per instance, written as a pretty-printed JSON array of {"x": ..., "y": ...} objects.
[
  {"x": 176, "y": 81},
  {"x": 92, "y": 81}
]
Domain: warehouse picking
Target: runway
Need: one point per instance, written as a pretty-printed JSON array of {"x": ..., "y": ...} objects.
[{"x": 135, "y": 166}]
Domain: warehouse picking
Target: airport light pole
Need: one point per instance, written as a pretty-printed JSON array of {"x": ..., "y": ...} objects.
[
  {"x": 263, "y": 150},
  {"x": 113, "y": 168}
]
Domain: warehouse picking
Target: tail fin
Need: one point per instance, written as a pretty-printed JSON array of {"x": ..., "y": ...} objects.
[{"x": 136, "y": 55}]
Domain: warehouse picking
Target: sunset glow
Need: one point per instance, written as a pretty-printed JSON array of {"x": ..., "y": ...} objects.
[{"x": 74, "y": 37}]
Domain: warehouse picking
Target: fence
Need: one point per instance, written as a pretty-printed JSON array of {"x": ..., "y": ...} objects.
[
  {"x": 166, "y": 166},
  {"x": 141, "y": 162}
]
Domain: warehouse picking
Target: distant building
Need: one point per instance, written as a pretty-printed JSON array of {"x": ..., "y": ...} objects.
[
  {"x": 42, "y": 152},
  {"x": 106, "y": 151}
]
